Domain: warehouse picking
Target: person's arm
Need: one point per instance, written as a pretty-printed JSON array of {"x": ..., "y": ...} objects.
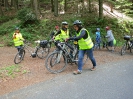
[
  {"x": 57, "y": 33},
  {"x": 82, "y": 35},
  {"x": 108, "y": 34}
]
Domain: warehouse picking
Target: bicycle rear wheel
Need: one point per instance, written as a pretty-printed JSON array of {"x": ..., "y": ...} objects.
[
  {"x": 56, "y": 62},
  {"x": 123, "y": 49},
  {"x": 43, "y": 52},
  {"x": 19, "y": 56}
]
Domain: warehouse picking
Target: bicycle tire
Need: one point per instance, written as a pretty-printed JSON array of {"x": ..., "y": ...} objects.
[
  {"x": 123, "y": 49},
  {"x": 42, "y": 52},
  {"x": 53, "y": 65},
  {"x": 96, "y": 46},
  {"x": 18, "y": 58},
  {"x": 85, "y": 59}
]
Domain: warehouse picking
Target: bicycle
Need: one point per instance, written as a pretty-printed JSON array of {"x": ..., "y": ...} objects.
[
  {"x": 104, "y": 44},
  {"x": 41, "y": 50},
  {"x": 57, "y": 61},
  {"x": 128, "y": 45}
]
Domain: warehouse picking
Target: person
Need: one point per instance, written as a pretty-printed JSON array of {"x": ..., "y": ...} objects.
[
  {"x": 57, "y": 28},
  {"x": 85, "y": 46},
  {"x": 63, "y": 33},
  {"x": 98, "y": 37},
  {"x": 110, "y": 38},
  {"x": 18, "y": 39}
]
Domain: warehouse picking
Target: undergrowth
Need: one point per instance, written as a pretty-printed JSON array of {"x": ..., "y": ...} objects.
[{"x": 42, "y": 29}]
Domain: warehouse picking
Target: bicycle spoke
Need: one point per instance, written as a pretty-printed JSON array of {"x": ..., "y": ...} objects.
[
  {"x": 42, "y": 52},
  {"x": 56, "y": 63},
  {"x": 19, "y": 57}
]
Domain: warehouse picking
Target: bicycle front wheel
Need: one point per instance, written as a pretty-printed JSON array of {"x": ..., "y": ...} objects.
[
  {"x": 42, "y": 52},
  {"x": 19, "y": 56},
  {"x": 56, "y": 62},
  {"x": 123, "y": 49}
]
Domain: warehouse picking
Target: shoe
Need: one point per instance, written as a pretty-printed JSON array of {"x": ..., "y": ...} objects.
[
  {"x": 77, "y": 72},
  {"x": 93, "y": 69}
]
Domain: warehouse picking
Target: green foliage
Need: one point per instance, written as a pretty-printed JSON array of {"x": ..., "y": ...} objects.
[
  {"x": 26, "y": 15},
  {"x": 5, "y": 18},
  {"x": 125, "y": 6},
  {"x": 9, "y": 71}
]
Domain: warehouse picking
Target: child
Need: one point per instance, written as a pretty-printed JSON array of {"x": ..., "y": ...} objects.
[{"x": 98, "y": 37}]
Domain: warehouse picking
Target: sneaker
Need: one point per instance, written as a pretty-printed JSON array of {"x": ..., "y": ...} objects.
[
  {"x": 77, "y": 72},
  {"x": 93, "y": 69}
]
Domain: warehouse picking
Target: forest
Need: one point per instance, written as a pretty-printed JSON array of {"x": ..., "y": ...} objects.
[{"x": 37, "y": 18}]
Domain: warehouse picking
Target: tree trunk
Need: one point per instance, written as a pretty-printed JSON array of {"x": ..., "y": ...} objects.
[
  {"x": 1, "y": 12},
  {"x": 35, "y": 4},
  {"x": 52, "y": 4},
  {"x": 56, "y": 8},
  {"x": 12, "y": 3},
  {"x": 100, "y": 9},
  {"x": 65, "y": 6},
  {"x": 89, "y": 6}
]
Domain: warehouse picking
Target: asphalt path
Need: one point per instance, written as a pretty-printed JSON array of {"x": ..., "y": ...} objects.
[{"x": 109, "y": 81}]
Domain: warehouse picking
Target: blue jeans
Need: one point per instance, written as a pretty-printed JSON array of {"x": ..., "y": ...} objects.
[{"x": 81, "y": 57}]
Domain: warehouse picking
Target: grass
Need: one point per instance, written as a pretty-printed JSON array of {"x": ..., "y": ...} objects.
[{"x": 11, "y": 71}]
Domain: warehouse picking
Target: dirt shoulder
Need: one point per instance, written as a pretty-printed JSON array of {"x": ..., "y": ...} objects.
[{"x": 36, "y": 71}]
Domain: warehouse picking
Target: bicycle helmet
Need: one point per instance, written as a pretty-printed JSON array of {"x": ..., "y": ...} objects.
[
  {"x": 107, "y": 27},
  {"x": 17, "y": 28},
  {"x": 98, "y": 29},
  {"x": 64, "y": 23},
  {"x": 77, "y": 22},
  {"x": 56, "y": 27}
]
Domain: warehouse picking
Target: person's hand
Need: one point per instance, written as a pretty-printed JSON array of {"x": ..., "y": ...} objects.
[{"x": 66, "y": 39}]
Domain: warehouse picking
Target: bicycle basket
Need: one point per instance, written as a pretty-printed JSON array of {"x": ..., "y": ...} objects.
[
  {"x": 126, "y": 37},
  {"x": 43, "y": 43}
]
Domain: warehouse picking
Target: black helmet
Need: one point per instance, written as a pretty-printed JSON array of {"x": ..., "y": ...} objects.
[
  {"x": 77, "y": 22},
  {"x": 64, "y": 23}
]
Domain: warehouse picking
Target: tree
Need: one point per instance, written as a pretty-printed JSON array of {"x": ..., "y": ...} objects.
[
  {"x": 100, "y": 9},
  {"x": 1, "y": 12},
  {"x": 36, "y": 8},
  {"x": 65, "y": 6},
  {"x": 56, "y": 8},
  {"x": 52, "y": 4}
]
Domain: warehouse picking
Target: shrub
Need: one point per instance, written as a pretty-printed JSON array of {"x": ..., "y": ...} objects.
[{"x": 26, "y": 15}]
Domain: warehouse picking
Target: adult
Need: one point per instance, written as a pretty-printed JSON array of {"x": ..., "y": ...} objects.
[
  {"x": 110, "y": 38},
  {"x": 85, "y": 46}
]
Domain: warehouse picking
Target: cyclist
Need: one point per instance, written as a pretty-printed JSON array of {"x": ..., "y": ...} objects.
[
  {"x": 85, "y": 46},
  {"x": 57, "y": 28},
  {"x": 98, "y": 37},
  {"x": 18, "y": 39},
  {"x": 63, "y": 33},
  {"x": 110, "y": 38}
]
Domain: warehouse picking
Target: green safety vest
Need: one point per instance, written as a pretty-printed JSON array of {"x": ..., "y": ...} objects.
[
  {"x": 63, "y": 35},
  {"x": 18, "y": 40},
  {"x": 85, "y": 43}
]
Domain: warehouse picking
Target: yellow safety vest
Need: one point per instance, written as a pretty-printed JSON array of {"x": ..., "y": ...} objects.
[
  {"x": 85, "y": 43},
  {"x": 18, "y": 40},
  {"x": 63, "y": 35}
]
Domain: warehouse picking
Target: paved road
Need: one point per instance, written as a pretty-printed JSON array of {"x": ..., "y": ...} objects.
[{"x": 109, "y": 81}]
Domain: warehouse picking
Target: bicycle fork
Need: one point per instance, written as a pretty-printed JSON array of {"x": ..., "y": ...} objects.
[{"x": 59, "y": 56}]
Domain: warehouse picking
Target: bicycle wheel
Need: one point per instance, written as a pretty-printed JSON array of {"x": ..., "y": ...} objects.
[
  {"x": 19, "y": 56},
  {"x": 42, "y": 52},
  {"x": 123, "y": 49},
  {"x": 56, "y": 62},
  {"x": 85, "y": 59},
  {"x": 96, "y": 46}
]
